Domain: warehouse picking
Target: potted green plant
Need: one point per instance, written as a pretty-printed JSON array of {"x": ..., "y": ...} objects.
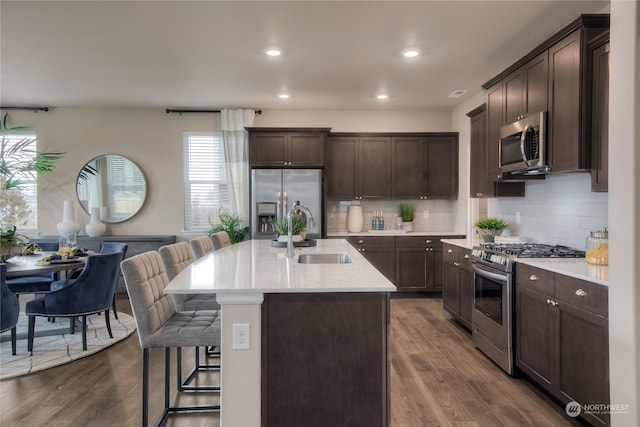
[
  {"x": 298, "y": 228},
  {"x": 230, "y": 223},
  {"x": 407, "y": 213},
  {"x": 488, "y": 228}
]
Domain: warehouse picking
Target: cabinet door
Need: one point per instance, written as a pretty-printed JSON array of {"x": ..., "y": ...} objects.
[
  {"x": 536, "y": 83},
  {"x": 411, "y": 269},
  {"x": 466, "y": 295},
  {"x": 306, "y": 149},
  {"x": 407, "y": 173},
  {"x": 268, "y": 149},
  {"x": 340, "y": 169},
  {"x": 440, "y": 155},
  {"x": 433, "y": 266},
  {"x": 383, "y": 259},
  {"x": 600, "y": 122},
  {"x": 479, "y": 186},
  {"x": 494, "y": 122},
  {"x": 535, "y": 336},
  {"x": 451, "y": 288},
  {"x": 513, "y": 96},
  {"x": 565, "y": 137},
  {"x": 583, "y": 352},
  {"x": 374, "y": 167}
]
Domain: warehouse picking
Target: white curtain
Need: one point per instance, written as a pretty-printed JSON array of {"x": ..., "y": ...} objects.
[{"x": 236, "y": 153}]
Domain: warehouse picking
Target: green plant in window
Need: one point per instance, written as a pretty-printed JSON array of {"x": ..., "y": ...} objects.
[
  {"x": 298, "y": 225},
  {"x": 230, "y": 223}
]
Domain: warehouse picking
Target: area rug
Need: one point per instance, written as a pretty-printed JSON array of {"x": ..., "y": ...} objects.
[{"x": 54, "y": 345}]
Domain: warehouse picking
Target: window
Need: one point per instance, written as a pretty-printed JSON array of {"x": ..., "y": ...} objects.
[
  {"x": 28, "y": 187},
  {"x": 205, "y": 178}
]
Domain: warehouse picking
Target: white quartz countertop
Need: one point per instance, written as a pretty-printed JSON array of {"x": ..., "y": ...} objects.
[
  {"x": 393, "y": 233},
  {"x": 464, "y": 243},
  {"x": 255, "y": 266},
  {"x": 574, "y": 267}
]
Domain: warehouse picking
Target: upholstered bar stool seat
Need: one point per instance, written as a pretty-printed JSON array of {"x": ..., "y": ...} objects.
[
  {"x": 160, "y": 325},
  {"x": 220, "y": 240},
  {"x": 201, "y": 246}
]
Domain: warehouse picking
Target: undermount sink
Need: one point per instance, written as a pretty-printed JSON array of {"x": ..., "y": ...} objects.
[{"x": 324, "y": 259}]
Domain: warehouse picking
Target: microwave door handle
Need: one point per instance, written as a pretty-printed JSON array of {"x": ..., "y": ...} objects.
[{"x": 523, "y": 138}]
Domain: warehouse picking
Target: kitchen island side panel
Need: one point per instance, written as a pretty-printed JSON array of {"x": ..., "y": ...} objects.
[{"x": 325, "y": 359}]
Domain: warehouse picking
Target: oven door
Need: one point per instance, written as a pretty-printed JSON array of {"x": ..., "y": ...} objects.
[{"x": 492, "y": 314}]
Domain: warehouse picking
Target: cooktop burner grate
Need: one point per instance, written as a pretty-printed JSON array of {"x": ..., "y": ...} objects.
[{"x": 533, "y": 250}]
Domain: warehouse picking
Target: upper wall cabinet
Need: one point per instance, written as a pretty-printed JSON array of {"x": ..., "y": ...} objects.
[
  {"x": 600, "y": 114},
  {"x": 555, "y": 77},
  {"x": 287, "y": 147}
]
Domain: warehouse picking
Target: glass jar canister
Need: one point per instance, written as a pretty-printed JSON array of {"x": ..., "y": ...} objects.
[{"x": 597, "y": 247}]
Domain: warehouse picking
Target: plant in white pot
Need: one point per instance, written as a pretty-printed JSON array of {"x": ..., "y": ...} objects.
[
  {"x": 407, "y": 213},
  {"x": 298, "y": 229},
  {"x": 488, "y": 228}
]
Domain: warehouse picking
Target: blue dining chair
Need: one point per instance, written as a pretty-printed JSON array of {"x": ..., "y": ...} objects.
[
  {"x": 110, "y": 247},
  {"x": 10, "y": 308},
  {"x": 91, "y": 293},
  {"x": 38, "y": 283}
]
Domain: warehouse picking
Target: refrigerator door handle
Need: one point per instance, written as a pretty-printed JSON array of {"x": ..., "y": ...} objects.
[
  {"x": 285, "y": 211},
  {"x": 278, "y": 203}
]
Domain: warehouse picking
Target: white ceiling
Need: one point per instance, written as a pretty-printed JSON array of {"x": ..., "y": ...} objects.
[{"x": 209, "y": 54}]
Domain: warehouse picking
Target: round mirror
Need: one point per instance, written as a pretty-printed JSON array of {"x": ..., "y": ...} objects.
[{"x": 114, "y": 184}]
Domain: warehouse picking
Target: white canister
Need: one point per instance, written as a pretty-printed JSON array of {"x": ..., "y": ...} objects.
[{"x": 354, "y": 219}]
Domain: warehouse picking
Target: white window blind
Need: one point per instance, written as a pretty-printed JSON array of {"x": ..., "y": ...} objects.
[
  {"x": 29, "y": 188},
  {"x": 205, "y": 178}
]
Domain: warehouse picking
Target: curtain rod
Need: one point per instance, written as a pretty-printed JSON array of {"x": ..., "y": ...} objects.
[
  {"x": 34, "y": 109},
  {"x": 169, "y": 111}
]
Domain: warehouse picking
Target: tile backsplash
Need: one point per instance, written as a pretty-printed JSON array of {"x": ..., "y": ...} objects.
[
  {"x": 560, "y": 210},
  {"x": 431, "y": 215}
]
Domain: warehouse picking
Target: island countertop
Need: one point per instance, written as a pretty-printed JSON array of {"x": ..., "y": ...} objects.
[{"x": 255, "y": 266}]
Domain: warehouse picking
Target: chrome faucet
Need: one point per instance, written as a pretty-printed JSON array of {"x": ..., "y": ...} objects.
[{"x": 295, "y": 210}]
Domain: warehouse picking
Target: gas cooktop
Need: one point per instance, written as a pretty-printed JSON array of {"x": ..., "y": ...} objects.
[{"x": 533, "y": 250}]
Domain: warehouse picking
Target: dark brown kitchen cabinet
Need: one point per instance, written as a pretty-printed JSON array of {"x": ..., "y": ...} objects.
[
  {"x": 425, "y": 167},
  {"x": 600, "y": 114},
  {"x": 525, "y": 89},
  {"x": 562, "y": 340},
  {"x": 325, "y": 359},
  {"x": 419, "y": 263},
  {"x": 520, "y": 90},
  {"x": 481, "y": 184},
  {"x": 457, "y": 284},
  {"x": 287, "y": 147},
  {"x": 379, "y": 251},
  {"x": 357, "y": 167}
]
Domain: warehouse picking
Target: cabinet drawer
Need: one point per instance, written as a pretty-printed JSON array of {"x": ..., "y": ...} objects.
[
  {"x": 453, "y": 253},
  {"x": 586, "y": 295},
  {"x": 450, "y": 254},
  {"x": 417, "y": 241},
  {"x": 465, "y": 258},
  {"x": 372, "y": 242},
  {"x": 535, "y": 278}
]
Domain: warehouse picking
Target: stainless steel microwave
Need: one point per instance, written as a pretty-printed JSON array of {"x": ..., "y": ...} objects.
[{"x": 523, "y": 145}]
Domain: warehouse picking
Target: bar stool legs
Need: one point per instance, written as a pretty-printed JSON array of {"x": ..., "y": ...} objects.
[{"x": 184, "y": 385}]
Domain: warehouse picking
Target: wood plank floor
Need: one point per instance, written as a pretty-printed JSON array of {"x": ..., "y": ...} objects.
[{"x": 437, "y": 379}]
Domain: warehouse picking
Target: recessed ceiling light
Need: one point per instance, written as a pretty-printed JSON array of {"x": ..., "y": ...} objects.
[
  {"x": 382, "y": 96},
  {"x": 283, "y": 96},
  {"x": 410, "y": 53},
  {"x": 457, "y": 93},
  {"x": 273, "y": 52}
]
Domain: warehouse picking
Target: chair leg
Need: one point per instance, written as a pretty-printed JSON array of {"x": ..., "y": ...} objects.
[
  {"x": 13, "y": 340},
  {"x": 30, "y": 333},
  {"x": 184, "y": 385},
  {"x": 145, "y": 387},
  {"x": 84, "y": 332},
  {"x": 72, "y": 325},
  {"x": 113, "y": 307},
  {"x": 108, "y": 323}
]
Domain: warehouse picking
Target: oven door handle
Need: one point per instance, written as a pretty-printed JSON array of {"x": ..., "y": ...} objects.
[{"x": 502, "y": 278}]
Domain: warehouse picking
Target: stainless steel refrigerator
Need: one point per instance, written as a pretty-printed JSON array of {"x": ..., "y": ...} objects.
[{"x": 275, "y": 191}]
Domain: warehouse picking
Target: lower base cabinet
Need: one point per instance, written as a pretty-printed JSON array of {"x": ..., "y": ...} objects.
[
  {"x": 325, "y": 359},
  {"x": 562, "y": 338},
  {"x": 457, "y": 285},
  {"x": 379, "y": 251}
]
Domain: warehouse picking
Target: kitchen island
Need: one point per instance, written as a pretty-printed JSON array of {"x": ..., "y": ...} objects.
[{"x": 317, "y": 333}]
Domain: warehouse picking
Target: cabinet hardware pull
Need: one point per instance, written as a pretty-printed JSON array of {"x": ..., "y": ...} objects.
[
  {"x": 581, "y": 293},
  {"x": 548, "y": 301},
  {"x": 360, "y": 242},
  {"x": 533, "y": 277},
  {"x": 457, "y": 264},
  {"x": 449, "y": 251},
  {"x": 479, "y": 194},
  {"x": 466, "y": 256},
  {"x": 555, "y": 303},
  {"x": 428, "y": 241},
  {"x": 362, "y": 249}
]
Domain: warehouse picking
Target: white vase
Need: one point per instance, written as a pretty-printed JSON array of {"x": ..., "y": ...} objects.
[
  {"x": 69, "y": 224},
  {"x": 407, "y": 226},
  {"x": 95, "y": 226},
  {"x": 354, "y": 219}
]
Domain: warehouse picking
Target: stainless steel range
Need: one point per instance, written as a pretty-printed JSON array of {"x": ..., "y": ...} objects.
[{"x": 493, "y": 271}]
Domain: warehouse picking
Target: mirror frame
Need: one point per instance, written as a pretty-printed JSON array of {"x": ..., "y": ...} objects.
[{"x": 144, "y": 178}]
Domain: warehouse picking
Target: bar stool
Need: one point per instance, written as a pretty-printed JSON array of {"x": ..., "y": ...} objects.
[
  {"x": 160, "y": 325},
  {"x": 201, "y": 246},
  {"x": 220, "y": 240},
  {"x": 176, "y": 257}
]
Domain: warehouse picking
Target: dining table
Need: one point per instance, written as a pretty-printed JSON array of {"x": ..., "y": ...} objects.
[{"x": 29, "y": 265}]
